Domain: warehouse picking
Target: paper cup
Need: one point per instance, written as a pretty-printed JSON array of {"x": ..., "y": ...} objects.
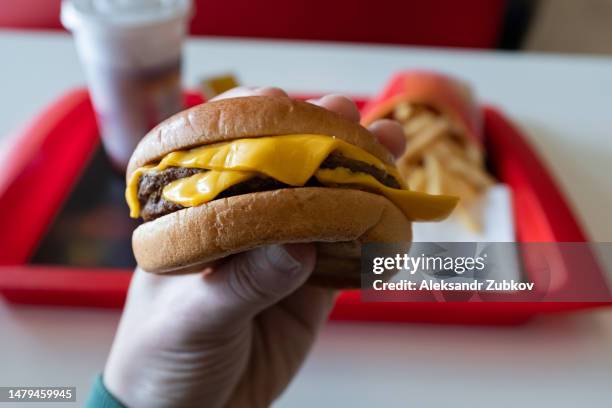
[{"x": 131, "y": 53}]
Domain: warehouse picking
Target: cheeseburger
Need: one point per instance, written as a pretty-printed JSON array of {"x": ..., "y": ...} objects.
[{"x": 230, "y": 175}]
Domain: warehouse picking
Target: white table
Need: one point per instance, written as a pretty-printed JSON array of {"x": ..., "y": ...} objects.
[{"x": 563, "y": 103}]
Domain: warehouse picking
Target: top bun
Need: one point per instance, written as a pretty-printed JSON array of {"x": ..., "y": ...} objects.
[{"x": 251, "y": 116}]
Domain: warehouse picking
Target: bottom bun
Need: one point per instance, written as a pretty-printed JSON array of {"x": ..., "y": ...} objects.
[{"x": 338, "y": 220}]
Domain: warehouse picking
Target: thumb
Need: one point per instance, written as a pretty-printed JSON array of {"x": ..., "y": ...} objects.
[{"x": 251, "y": 281}]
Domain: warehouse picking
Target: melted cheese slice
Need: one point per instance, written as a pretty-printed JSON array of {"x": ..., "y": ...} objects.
[
  {"x": 203, "y": 187},
  {"x": 291, "y": 159},
  {"x": 131, "y": 191},
  {"x": 415, "y": 205}
]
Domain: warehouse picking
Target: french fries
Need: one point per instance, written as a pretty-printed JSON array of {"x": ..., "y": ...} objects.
[
  {"x": 424, "y": 139},
  {"x": 439, "y": 160},
  {"x": 418, "y": 121},
  {"x": 463, "y": 167},
  {"x": 417, "y": 179},
  {"x": 403, "y": 111},
  {"x": 433, "y": 172}
]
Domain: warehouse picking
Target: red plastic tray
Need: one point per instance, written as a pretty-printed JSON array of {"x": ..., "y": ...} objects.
[{"x": 50, "y": 153}]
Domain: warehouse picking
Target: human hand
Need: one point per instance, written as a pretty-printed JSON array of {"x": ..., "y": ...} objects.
[{"x": 233, "y": 335}]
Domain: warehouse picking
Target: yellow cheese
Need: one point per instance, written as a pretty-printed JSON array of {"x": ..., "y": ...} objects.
[
  {"x": 291, "y": 159},
  {"x": 415, "y": 205},
  {"x": 203, "y": 187},
  {"x": 131, "y": 191}
]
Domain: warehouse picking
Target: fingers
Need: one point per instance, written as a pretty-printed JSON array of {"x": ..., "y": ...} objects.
[
  {"x": 249, "y": 282},
  {"x": 390, "y": 134},
  {"x": 313, "y": 305},
  {"x": 250, "y": 91},
  {"x": 339, "y": 104}
]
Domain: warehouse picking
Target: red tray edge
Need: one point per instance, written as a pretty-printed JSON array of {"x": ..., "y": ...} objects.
[{"x": 64, "y": 286}]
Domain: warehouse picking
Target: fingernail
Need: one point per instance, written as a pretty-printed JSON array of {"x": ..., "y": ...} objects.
[
  {"x": 269, "y": 91},
  {"x": 280, "y": 258}
]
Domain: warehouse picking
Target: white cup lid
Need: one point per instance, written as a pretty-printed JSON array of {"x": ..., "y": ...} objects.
[{"x": 76, "y": 14}]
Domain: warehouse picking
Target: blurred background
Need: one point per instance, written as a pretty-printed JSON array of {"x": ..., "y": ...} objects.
[{"x": 536, "y": 25}]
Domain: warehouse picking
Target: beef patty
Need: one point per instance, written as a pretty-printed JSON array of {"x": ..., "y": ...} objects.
[{"x": 151, "y": 185}]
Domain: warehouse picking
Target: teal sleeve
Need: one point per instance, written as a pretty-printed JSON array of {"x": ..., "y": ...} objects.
[{"x": 100, "y": 397}]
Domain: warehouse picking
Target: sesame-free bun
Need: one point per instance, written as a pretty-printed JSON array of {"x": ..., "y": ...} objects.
[
  {"x": 338, "y": 220},
  {"x": 186, "y": 239},
  {"x": 245, "y": 117}
]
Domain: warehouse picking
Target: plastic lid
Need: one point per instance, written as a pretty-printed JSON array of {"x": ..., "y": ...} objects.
[{"x": 77, "y": 14}]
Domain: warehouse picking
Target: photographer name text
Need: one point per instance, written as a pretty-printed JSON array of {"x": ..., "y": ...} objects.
[{"x": 447, "y": 285}]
